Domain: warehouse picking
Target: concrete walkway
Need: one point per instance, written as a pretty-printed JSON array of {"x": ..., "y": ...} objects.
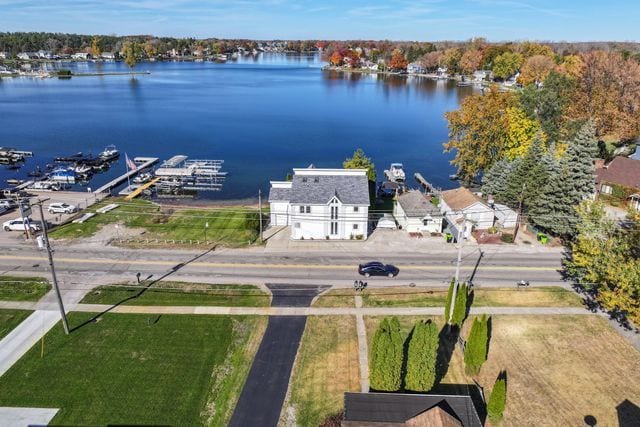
[
  {"x": 363, "y": 348},
  {"x": 24, "y": 336},
  {"x": 22, "y": 417}
]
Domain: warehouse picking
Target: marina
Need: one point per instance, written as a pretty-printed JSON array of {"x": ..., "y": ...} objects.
[{"x": 143, "y": 162}]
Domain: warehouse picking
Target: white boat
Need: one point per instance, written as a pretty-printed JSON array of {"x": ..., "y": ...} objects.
[
  {"x": 142, "y": 178},
  {"x": 67, "y": 175},
  {"x": 82, "y": 169},
  {"x": 110, "y": 152},
  {"x": 397, "y": 172}
]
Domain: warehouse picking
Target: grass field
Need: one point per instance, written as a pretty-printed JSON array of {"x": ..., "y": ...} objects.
[
  {"x": 559, "y": 369},
  {"x": 16, "y": 288},
  {"x": 9, "y": 319},
  {"x": 227, "y": 226},
  {"x": 179, "y": 293},
  {"x": 483, "y": 297},
  {"x": 326, "y": 366},
  {"x": 138, "y": 369},
  {"x": 336, "y": 298}
]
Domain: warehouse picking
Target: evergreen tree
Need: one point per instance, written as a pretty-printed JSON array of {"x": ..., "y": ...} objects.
[
  {"x": 447, "y": 305},
  {"x": 421, "y": 357},
  {"x": 475, "y": 353},
  {"x": 494, "y": 182},
  {"x": 460, "y": 306},
  {"x": 497, "y": 400},
  {"x": 359, "y": 160},
  {"x": 571, "y": 183},
  {"x": 527, "y": 178},
  {"x": 387, "y": 356}
]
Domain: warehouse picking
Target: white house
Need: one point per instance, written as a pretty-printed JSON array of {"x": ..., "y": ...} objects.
[
  {"x": 322, "y": 204},
  {"x": 81, "y": 55},
  {"x": 415, "y": 68},
  {"x": 464, "y": 210},
  {"x": 505, "y": 217},
  {"x": 416, "y": 214},
  {"x": 4, "y": 55},
  {"x": 25, "y": 56},
  {"x": 108, "y": 55}
]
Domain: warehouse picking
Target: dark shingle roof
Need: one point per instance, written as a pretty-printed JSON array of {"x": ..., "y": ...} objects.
[
  {"x": 415, "y": 204},
  {"x": 279, "y": 194},
  {"x": 621, "y": 171},
  {"x": 398, "y": 408},
  {"x": 320, "y": 189}
]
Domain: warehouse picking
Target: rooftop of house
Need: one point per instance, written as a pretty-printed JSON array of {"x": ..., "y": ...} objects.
[
  {"x": 376, "y": 409},
  {"x": 313, "y": 186},
  {"x": 621, "y": 171},
  {"x": 461, "y": 198},
  {"x": 415, "y": 204}
]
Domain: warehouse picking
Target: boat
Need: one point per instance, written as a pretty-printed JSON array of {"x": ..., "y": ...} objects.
[
  {"x": 72, "y": 158},
  {"x": 109, "y": 153},
  {"x": 82, "y": 169},
  {"x": 142, "y": 178},
  {"x": 67, "y": 175},
  {"x": 454, "y": 177},
  {"x": 13, "y": 181},
  {"x": 397, "y": 172}
]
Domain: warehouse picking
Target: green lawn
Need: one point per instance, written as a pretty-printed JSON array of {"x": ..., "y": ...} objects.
[
  {"x": 9, "y": 319},
  {"x": 483, "y": 297},
  {"x": 138, "y": 369},
  {"x": 15, "y": 288},
  {"x": 178, "y": 293},
  {"x": 336, "y": 298},
  {"x": 228, "y": 226}
]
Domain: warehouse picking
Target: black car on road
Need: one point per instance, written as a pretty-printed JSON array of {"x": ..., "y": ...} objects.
[{"x": 376, "y": 268}]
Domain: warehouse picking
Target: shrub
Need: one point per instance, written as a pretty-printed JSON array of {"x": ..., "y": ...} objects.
[
  {"x": 507, "y": 238},
  {"x": 460, "y": 306},
  {"x": 421, "y": 357},
  {"x": 497, "y": 400},
  {"x": 447, "y": 305},
  {"x": 387, "y": 356},
  {"x": 475, "y": 353}
]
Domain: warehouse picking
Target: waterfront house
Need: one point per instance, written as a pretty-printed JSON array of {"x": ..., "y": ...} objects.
[
  {"x": 109, "y": 56},
  {"x": 481, "y": 75},
  {"x": 322, "y": 204},
  {"x": 442, "y": 73},
  {"x": 81, "y": 55},
  {"x": 5, "y": 55},
  {"x": 619, "y": 179},
  {"x": 410, "y": 410},
  {"x": 415, "y": 68},
  {"x": 416, "y": 214},
  {"x": 26, "y": 56},
  {"x": 44, "y": 54},
  {"x": 464, "y": 210}
]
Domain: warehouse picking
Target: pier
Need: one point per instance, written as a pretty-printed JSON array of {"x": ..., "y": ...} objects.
[
  {"x": 143, "y": 162},
  {"x": 425, "y": 184}
]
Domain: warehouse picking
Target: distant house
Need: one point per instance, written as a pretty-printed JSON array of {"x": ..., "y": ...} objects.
[
  {"x": 416, "y": 214},
  {"x": 466, "y": 211},
  {"x": 410, "y": 410},
  {"x": 415, "y": 68},
  {"x": 620, "y": 178},
  {"x": 322, "y": 204},
  {"x": 504, "y": 216},
  {"x": 512, "y": 81},
  {"x": 25, "y": 56},
  {"x": 81, "y": 55},
  {"x": 44, "y": 54},
  {"x": 108, "y": 55},
  {"x": 5, "y": 55},
  {"x": 481, "y": 75},
  {"x": 442, "y": 72}
]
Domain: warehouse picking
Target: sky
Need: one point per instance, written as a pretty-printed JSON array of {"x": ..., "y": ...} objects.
[{"x": 420, "y": 20}]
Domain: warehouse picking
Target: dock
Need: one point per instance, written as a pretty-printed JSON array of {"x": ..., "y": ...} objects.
[
  {"x": 143, "y": 162},
  {"x": 135, "y": 193},
  {"x": 426, "y": 185}
]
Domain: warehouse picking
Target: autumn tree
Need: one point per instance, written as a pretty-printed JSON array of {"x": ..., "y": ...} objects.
[
  {"x": 521, "y": 133},
  {"x": 150, "y": 49},
  {"x": 536, "y": 69},
  {"x": 422, "y": 353},
  {"x": 507, "y": 65},
  {"x": 479, "y": 131},
  {"x": 572, "y": 66},
  {"x": 336, "y": 59},
  {"x": 531, "y": 49},
  {"x": 431, "y": 60},
  {"x": 359, "y": 160},
  {"x": 96, "y": 50},
  {"x": 398, "y": 61},
  {"x": 451, "y": 59},
  {"x": 471, "y": 61},
  {"x": 130, "y": 50},
  {"x": 387, "y": 354}
]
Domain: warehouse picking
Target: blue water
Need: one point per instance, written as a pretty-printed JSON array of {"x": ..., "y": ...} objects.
[{"x": 263, "y": 116}]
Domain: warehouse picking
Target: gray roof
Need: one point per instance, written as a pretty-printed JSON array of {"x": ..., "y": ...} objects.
[
  {"x": 398, "y": 408},
  {"x": 279, "y": 194},
  {"x": 415, "y": 204},
  {"x": 320, "y": 189}
]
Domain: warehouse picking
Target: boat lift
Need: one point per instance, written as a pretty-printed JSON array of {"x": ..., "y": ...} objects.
[{"x": 179, "y": 173}]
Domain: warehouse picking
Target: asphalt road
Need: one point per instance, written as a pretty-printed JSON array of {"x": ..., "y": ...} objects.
[{"x": 493, "y": 268}]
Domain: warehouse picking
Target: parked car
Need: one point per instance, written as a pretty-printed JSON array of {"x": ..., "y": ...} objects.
[
  {"x": 376, "y": 268},
  {"x": 18, "y": 224},
  {"x": 8, "y": 204},
  {"x": 61, "y": 208},
  {"x": 3, "y": 209}
]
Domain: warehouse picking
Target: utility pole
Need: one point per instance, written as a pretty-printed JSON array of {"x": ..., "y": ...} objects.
[
  {"x": 461, "y": 231},
  {"x": 260, "y": 210},
  {"x": 47, "y": 246}
]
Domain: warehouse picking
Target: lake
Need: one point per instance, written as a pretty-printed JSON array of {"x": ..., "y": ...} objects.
[{"x": 263, "y": 116}]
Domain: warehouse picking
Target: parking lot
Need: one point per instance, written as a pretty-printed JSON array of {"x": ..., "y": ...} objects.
[{"x": 79, "y": 199}]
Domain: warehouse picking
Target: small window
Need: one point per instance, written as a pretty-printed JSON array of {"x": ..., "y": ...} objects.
[
  {"x": 606, "y": 189},
  {"x": 308, "y": 209},
  {"x": 316, "y": 179},
  {"x": 355, "y": 226},
  {"x": 304, "y": 179},
  {"x": 301, "y": 209},
  {"x": 356, "y": 209},
  {"x": 296, "y": 225}
]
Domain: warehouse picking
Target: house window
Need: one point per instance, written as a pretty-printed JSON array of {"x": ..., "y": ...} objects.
[
  {"x": 606, "y": 189},
  {"x": 301, "y": 209},
  {"x": 316, "y": 179},
  {"x": 334, "y": 228},
  {"x": 355, "y": 226},
  {"x": 296, "y": 225},
  {"x": 308, "y": 209},
  {"x": 304, "y": 179},
  {"x": 356, "y": 208}
]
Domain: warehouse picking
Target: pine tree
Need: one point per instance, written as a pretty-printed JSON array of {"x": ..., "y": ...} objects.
[
  {"x": 421, "y": 357},
  {"x": 494, "y": 182},
  {"x": 527, "y": 178},
  {"x": 475, "y": 353},
  {"x": 497, "y": 400},
  {"x": 571, "y": 183},
  {"x": 447, "y": 306},
  {"x": 387, "y": 356},
  {"x": 460, "y": 306}
]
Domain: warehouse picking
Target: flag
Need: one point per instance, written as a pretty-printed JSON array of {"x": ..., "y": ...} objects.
[{"x": 130, "y": 164}]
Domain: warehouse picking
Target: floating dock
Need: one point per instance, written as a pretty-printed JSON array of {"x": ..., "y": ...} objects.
[
  {"x": 143, "y": 162},
  {"x": 141, "y": 188}
]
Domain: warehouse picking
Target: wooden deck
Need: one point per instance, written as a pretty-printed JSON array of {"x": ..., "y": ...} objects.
[{"x": 147, "y": 162}]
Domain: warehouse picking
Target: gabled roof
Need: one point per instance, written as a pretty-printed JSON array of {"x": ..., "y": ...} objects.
[
  {"x": 621, "y": 171},
  {"x": 414, "y": 204},
  {"x": 365, "y": 409},
  {"x": 461, "y": 198},
  {"x": 319, "y": 186}
]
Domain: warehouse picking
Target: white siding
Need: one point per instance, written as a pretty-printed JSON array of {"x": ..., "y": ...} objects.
[
  {"x": 316, "y": 224},
  {"x": 279, "y": 213}
]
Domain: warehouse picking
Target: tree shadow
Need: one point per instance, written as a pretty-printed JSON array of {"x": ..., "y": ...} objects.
[
  {"x": 475, "y": 269},
  {"x": 145, "y": 287},
  {"x": 628, "y": 414},
  {"x": 470, "y": 297},
  {"x": 447, "y": 339},
  {"x": 489, "y": 327}
]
